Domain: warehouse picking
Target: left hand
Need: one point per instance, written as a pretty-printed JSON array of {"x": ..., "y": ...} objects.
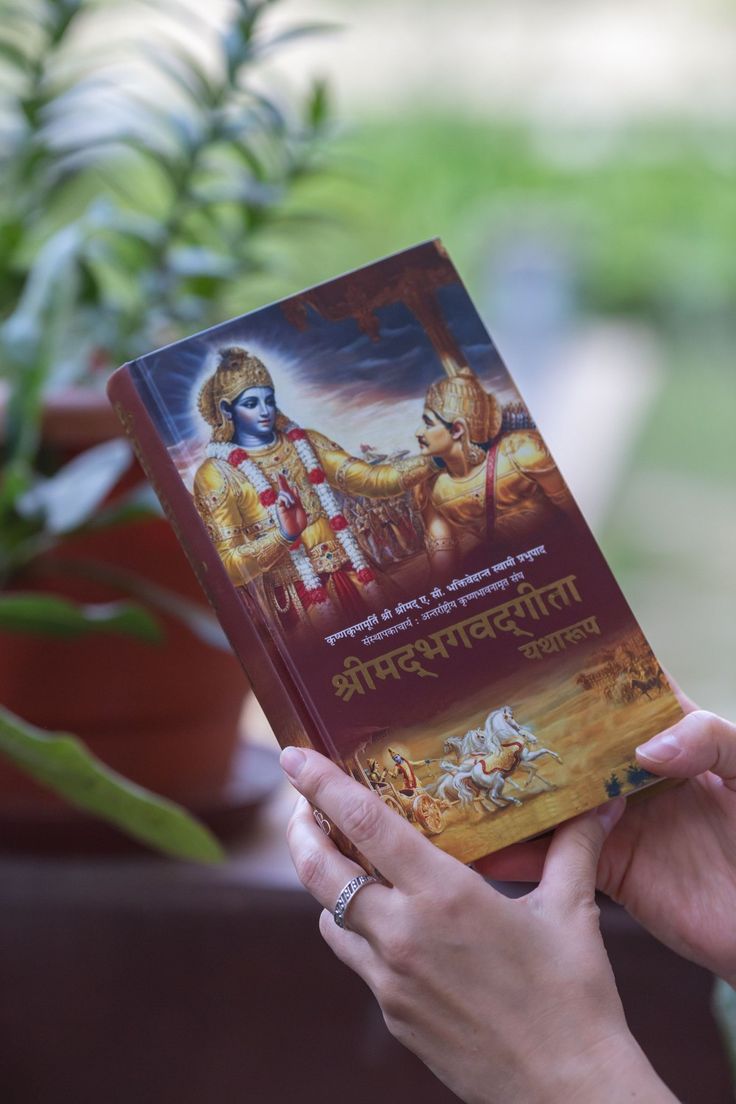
[
  {"x": 502, "y": 999},
  {"x": 671, "y": 860}
]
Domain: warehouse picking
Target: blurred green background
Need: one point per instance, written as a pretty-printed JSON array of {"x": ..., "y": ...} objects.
[{"x": 578, "y": 161}]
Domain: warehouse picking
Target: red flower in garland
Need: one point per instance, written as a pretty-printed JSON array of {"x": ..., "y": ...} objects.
[
  {"x": 237, "y": 456},
  {"x": 295, "y": 544},
  {"x": 338, "y": 522},
  {"x": 296, "y": 434},
  {"x": 267, "y": 498},
  {"x": 365, "y": 576},
  {"x": 316, "y": 476}
]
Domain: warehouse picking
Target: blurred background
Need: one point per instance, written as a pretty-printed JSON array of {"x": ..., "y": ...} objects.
[
  {"x": 579, "y": 162},
  {"x": 164, "y": 167}
]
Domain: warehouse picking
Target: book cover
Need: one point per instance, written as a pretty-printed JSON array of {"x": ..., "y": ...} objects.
[{"x": 395, "y": 556}]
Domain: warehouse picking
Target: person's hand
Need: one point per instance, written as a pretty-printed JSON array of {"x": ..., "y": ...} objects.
[
  {"x": 671, "y": 860},
  {"x": 292, "y": 515},
  {"x": 502, "y": 999}
]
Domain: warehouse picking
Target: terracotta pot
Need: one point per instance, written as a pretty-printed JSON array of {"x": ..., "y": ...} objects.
[{"x": 164, "y": 715}]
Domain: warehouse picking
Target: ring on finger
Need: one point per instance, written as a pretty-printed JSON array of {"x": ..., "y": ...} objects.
[{"x": 353, "y": 887}]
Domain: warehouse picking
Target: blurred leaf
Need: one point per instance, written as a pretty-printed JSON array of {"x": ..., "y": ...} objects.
[
  {"x": 268, "y": 112},
  {"x": 293, "y": 34},
  {"x": 240, "y": 189},
  {"x": 71, "y": 496},
  {"x": 318, "y": 105},
  {"x": 200, "y": 620},
  {"x": 63, "y": 764},
  {"x": 48, "y": 615},
  {"x": 103, "y": 214},
  {"x": 14, "y": 56},
  {"x": 197, "y": 261},
  {"x": 184, "y": 71},
  {"x": 139, "y": 504}
]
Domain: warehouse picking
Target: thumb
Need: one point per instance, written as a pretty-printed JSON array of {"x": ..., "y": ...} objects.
[
  {"x": 572, "y": 859},
  {"x": 698, "y": 743}
]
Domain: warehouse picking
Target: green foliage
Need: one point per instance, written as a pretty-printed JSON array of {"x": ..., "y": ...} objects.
[
  {"x": 127, "y": 219},
  {"x": 49, "y": 615},
  {"x": 60, "y": 762},
  {"x": 646, "y": 211}
]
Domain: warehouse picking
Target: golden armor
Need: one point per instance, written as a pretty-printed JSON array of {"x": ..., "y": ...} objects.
[
  {"x": 244, "y": 530},
  {"x": 528, "y": 490}
]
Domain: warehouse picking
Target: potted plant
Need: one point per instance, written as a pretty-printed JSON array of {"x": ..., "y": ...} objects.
[{"x": 117, "y": 239}]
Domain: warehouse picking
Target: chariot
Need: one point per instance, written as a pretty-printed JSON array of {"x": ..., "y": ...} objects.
[{"x": 420, "y": 808}]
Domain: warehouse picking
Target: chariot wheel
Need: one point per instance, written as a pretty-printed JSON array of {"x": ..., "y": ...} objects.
[
  {"x": 395, "y": 804},
  {"x": 428, "y": 814}
]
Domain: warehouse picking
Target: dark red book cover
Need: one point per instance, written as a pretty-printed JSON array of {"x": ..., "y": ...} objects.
[{"x": 395, "y": 556}]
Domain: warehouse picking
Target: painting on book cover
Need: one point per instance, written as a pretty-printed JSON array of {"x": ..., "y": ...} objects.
[
  {"x": 372, "y": 480},
  {"x": 350, "y": 444}
]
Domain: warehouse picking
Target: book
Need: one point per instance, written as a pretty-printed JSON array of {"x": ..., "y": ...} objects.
[{"x": 394, "y": 555}]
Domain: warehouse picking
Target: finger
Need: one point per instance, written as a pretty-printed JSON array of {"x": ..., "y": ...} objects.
[
  {"x": 285, "y": 499},
  {"x": 325, "y": 871},
  {"x": 572, "y": 859},
  {"x": 350, "y": 947},
  {"x": 387, "y": 841},
  {"x": 698, "y": 743},
  {"x": 522, "y": 862}
]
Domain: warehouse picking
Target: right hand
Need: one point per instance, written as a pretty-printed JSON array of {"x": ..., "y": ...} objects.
[
  {"x": 671, "y": 860},
  {"x": 292, "y": 515}
]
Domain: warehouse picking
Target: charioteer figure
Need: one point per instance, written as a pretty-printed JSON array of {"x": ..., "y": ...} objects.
[{"x": 404, "y": 772}]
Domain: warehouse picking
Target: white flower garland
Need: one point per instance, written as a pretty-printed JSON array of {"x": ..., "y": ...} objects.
[{"x": 241, "y": 459}]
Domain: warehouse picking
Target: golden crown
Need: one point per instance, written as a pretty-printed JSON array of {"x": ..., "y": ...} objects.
[
  {"x": 236, "y": 371},
  {"x": 462, "y": 398}
]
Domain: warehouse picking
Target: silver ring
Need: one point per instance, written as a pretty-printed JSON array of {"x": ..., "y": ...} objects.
[{"x": 343, "y": 901}]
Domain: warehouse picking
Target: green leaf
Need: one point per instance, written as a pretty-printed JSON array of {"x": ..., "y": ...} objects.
[
  {"x": 71, "y": 496},
  {"x": 50, "y": 615},
  {"x": 198, "y": 619},
  {"x": 198, "y": 261},
  {"x": 318, "y": 105},
  {"x": 293, "y": 34},
  {"x": 184, "y": 71},
  {"x": 13, "y": 55},
  {"x": 63, "y": 764}
]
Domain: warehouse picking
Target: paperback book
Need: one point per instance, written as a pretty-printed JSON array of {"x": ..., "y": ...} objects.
[{"x": 395, "y": 556}]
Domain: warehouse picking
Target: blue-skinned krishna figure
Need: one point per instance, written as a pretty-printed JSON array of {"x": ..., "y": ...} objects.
[{"x": 265, "y": 494}]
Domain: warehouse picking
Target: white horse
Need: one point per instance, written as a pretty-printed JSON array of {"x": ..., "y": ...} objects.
[
  {"x": 501, "y": 739},
  {"x": 471, "y": 774},
  {"x": 506, "y": 729},
  {"x": 466, "y": 780}
]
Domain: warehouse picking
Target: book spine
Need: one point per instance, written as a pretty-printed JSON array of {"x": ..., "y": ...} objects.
[{"x": 249, "y": 637}]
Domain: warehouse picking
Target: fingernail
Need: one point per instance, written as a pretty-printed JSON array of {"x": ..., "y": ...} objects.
[
  {"x": 661, "y": 749},
  {"x": 292, "y": 760},
  {"x": 610, "y": 814}
]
